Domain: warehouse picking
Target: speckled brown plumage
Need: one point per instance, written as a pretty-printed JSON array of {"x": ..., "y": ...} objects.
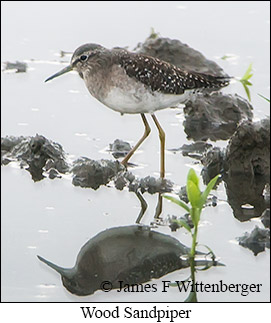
[
  {"x": 164, "y": 77},
  {"x": 156, "y": 74},
  {"x": 134, "y": 83}
]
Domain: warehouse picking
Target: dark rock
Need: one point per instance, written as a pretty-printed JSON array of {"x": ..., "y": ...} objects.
[
  {"x": 35, "y": 153},
  {"x": 119, "y": 148},
  {"x": 91, "y": 173},
  {"x": 256, "y": 241},
  {"x": 179, "y": 54},
  {"x": 215, "y": 116}
]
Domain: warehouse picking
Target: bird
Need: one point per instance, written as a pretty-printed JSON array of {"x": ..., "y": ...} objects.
[
  {"x": 133, "y": 83},
  {"x": 132, "y": 254}
]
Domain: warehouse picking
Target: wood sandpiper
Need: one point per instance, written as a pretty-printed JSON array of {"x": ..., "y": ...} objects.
[{"x": 137, "y": 84}]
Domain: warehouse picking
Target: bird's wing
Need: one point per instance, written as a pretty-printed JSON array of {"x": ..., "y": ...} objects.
[
  {"x": 166, "y": 78},
  {"x": 150, "y": 267}
]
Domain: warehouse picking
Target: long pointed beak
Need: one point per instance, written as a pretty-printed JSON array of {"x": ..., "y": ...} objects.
[
  {"x": 62, "y": 271},
  {"x": 63, "y": 71}
]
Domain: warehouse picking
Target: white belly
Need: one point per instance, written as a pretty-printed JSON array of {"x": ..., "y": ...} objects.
[{"x": 141, "y": 101}]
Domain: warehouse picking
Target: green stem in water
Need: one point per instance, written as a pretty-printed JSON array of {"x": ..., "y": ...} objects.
[{"x": 193, "y": 295}]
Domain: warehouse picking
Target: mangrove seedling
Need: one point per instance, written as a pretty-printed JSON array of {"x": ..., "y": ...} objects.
[{"x": 197, "y": 200}]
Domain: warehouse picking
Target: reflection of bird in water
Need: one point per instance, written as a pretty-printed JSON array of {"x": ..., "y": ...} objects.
[
  {"x": 137, "y": 84},
  {"x": 131, "y": 254}
]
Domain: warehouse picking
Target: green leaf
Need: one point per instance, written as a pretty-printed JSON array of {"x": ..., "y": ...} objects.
[
  {"x": 247, "y": 92},
  {"x": 197, "y": 212},
  {"x": 210, "y": 251},
  {"x": 244, "y": 80},
  {"x": 193, "y": 193},
  {"x": 184, "y": 224},
  {"x": 248, "y": 73},
  {"x": 192, "y": 176},
  {"x": 268, "y": 100},
  {"x": 177, "y": 201},
  {"x": 208, "y": 189}
]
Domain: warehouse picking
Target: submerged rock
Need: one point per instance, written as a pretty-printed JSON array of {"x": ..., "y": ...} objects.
[
  {"x": 256, "y": 241},
  {"x": 35, "y": 152},
  {"x": 179, "y": 54},
  {"x": 119, "y": 148},
  {"x": 132, "y": 254},
  {"x": 215, "y": 116},
  {"x": 94, "y": 173}
]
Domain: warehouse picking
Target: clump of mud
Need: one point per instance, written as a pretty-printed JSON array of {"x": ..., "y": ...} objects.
[
  {"x": 265, "y": 218},
  {"x": 94, "y": 173},
  {"x": 43, "y": 157},
  {"x": 215, "y": 116},
  {"x": 148, "y": 184},
  {"x": 256, "y": 241},
  {"x": 18, "y": 67},
  {"x": 245, "y": 166},
  {"x": 248, "y": 151},
  {"x": 179, "y": 54},
  {"x": 151, "y": 185},
  {"x": 119, "y": 148},
  {"x": 37, "y": 154}
]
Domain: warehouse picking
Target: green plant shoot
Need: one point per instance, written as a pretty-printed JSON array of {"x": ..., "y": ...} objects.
[
  {"x": 197, "y": 201},
  {"x": 245, "y": 80},
  {"x": 268, "y": 100}
]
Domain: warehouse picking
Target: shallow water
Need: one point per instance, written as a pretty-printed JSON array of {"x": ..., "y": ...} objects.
[{"x": 53, "y": 218}]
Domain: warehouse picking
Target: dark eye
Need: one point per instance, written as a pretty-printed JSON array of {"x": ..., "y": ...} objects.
[{"x": 83, "y": 58}]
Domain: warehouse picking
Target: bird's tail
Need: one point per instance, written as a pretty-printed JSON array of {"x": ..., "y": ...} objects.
[{"x": 222, "y": 81}]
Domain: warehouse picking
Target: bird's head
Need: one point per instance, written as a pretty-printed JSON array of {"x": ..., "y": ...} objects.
[{"x": 81, "y": 59}]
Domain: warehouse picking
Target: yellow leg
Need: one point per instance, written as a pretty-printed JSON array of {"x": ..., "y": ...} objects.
[
  {"x": 162, "y": 137},
  {"x": 159, "y": 206},
  {"x": 145, "y": 135}
]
